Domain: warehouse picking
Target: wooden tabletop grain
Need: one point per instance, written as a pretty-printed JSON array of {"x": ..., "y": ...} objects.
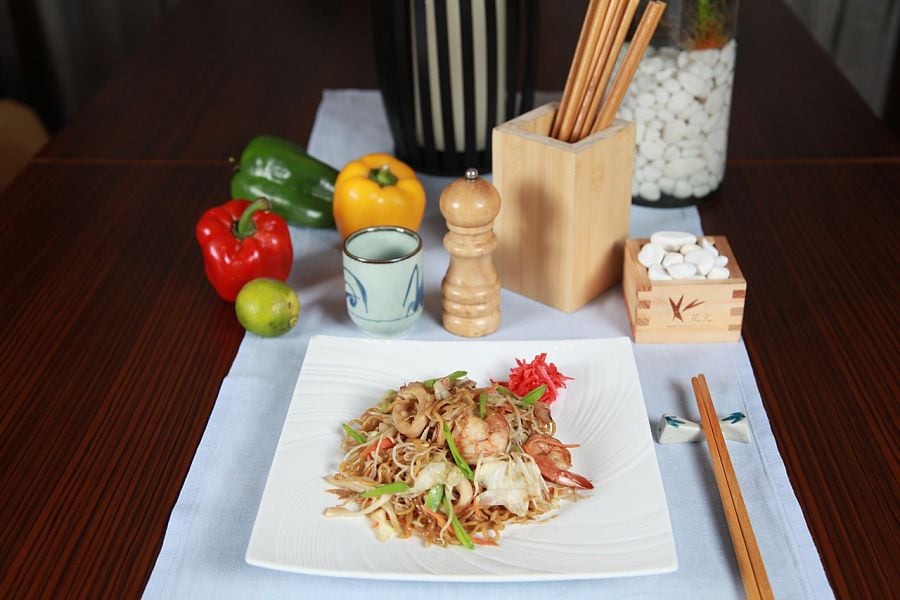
[{"x": 101, "y": 408}]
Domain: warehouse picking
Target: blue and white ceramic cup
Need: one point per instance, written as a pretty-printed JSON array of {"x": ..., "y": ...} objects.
[{"x": 383, "y": 279}]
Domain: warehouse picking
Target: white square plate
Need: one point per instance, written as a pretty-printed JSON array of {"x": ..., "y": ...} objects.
[{"x": 620, "y": 528}]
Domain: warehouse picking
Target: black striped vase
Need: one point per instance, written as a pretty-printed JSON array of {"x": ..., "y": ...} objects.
[{"x": 449, "y": 70}]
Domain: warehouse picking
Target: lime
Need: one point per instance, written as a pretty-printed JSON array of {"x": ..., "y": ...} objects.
[{"x": 267, "y": 307}]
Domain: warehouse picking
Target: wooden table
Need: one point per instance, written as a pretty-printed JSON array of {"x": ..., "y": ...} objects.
[{"x": 115, "y": 345}]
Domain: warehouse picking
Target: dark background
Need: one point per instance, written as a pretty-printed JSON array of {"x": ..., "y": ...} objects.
[{"x": 54, "y": 54}]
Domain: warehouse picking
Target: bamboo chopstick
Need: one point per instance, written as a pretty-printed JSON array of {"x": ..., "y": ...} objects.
[
  {"x": 573, "y": 68},
  {"x": 750, "y": 563},
  {"x": 645, "y": 29},
  {"x": 624, "y": 23},
  {"x": 603, "y": 31},
  {"x": 608, "y": 32},
  {"x": 582, "y": 71}
]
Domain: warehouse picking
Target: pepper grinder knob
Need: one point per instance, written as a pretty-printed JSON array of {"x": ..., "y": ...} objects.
[{"x": 471, "y": 287}]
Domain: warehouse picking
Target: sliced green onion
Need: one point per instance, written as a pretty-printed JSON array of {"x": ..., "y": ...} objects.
[
  {"x": 534, "y": 395},
  {"x": 381, "y": 490},
  {"x": 482, "y": 405},
  {"x": 429, "y": 383},
  {"x": 461, "y": 534},
  {"x": 463, "y": 465},
  {"x": 434, "y": 496},
  {"x": 354, "y": 434},
  {"x": 505, "y": 391}
]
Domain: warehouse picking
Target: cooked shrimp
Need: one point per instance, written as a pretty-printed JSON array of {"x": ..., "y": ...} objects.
[
  {"x": 409, "y": 410},
  {"x": 441, "y": 471},
  {"x": 554, "y": 460},
  {"x": 476, "y": 437}
]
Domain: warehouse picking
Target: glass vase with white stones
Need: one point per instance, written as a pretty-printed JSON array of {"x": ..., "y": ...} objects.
[{"x": 680, "y": 101}]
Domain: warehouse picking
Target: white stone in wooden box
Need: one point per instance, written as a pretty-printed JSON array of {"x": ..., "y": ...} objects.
[
  {"x": 683, "y": 310},
  {"x": 565, "y": 209}
]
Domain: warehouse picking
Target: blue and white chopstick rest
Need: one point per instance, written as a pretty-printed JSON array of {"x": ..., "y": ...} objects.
[{"x": 672, "y": 429}]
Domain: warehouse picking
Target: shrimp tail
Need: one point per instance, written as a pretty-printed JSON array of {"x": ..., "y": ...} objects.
[
  {"x": 553, "y": 473},
  {"x": 570, "y": 479}
]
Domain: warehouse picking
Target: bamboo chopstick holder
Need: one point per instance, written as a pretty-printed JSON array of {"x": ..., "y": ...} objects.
[
  {"x": 646, "y": 28},
  {"x": 573, "y": 68},
  {"x": 750, "y": 563}
]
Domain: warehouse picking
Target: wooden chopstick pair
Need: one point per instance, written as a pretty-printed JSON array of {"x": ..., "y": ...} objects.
[
  {"x": 750, "y": 563},
  {"x": 599, "y": 44}
]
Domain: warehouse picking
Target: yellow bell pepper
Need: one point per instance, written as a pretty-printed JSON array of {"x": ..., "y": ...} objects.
[{"x": 377, "y": 189}]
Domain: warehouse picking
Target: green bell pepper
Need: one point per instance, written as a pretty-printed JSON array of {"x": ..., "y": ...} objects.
[{"x": 299, "y": 187}]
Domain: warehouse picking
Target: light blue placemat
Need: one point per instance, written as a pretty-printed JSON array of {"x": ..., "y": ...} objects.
[{"x": 203, "y": 552}]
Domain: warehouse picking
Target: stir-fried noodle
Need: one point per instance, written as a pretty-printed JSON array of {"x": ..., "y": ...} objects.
[{"x": 400, "y": 471}]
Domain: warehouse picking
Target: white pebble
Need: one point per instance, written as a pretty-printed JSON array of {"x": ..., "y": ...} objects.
[
  {"x": 652, "y": 135},
  {"x": 646, "y": 99},
  {"x": 651, "y": 173},
  {"x": 626, "y": 114},
  {"x": 672, "y": 86},
  {"x": 700, "y": 70},
  {"x": 672, "y": 258},
  {"x": 674, "y": 131},
  {"x": 710, "y": 157},
  {"x": 653, "y": 149},
  {"x": 709, "y": 245},
  {"x": 682, "y": 189},
  {"x": 658, "y": 273},
  {"x": 692, "y": 84},
  {"x": 672, "y": 240},
  {"x": 651, "y": 254},
  {"x": 698, "y": 118},
  {"x": 643, "y": 114},
  {"x": 715, "y": 101},
  {"x": 682, "y": 167},
  {"x": 702, "y": 190},
  {"x": 713, "y": 122},
  {"x": 718, "y": 140},
  {"x": 699, "y": 178},
  {"x": 726, "y": 55},
  {"x": 654, "y": 124},
  {"x": 639, "y": 129},
  {"x": 649, "y": 191},
  {"x": 666, "y": 185},
  {"x": 683, "y": 60},
  {"x": 686, "y": 112},
  {"x": 664, "y": 115},
  {"x": 682, "y": 270},
  {"x": 690, "y": 152},
  {"x": 678, "y": 102},
  {"x": 651, "y": 65},
  {"x": 672, "y": 152},
  {"x": 693, "y": 134},
  {"x": 721, "y": 260},
  {"x": 685, "y": 248},
  {"x": 662, "y": 96},
  {"x": 718, "y": 273},
  {"x": 706, "y": 57},
  {"x": 702, "y": 258}
]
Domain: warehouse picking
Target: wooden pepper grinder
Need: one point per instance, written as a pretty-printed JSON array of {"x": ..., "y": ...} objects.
[{"x": 471, "y": 287}]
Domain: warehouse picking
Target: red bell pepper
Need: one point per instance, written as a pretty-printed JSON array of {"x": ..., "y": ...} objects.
[{"x": 242, "y": 241}]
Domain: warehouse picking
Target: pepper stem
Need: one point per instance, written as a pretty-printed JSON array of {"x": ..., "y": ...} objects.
[
  {"x": 245, "y": 227},
  {"x": 383, "y": 176}
]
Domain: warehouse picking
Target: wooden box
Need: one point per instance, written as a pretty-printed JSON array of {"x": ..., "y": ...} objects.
[
  {"x": 565, "y": 209},
  {"x": 683, "y": 310}
]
